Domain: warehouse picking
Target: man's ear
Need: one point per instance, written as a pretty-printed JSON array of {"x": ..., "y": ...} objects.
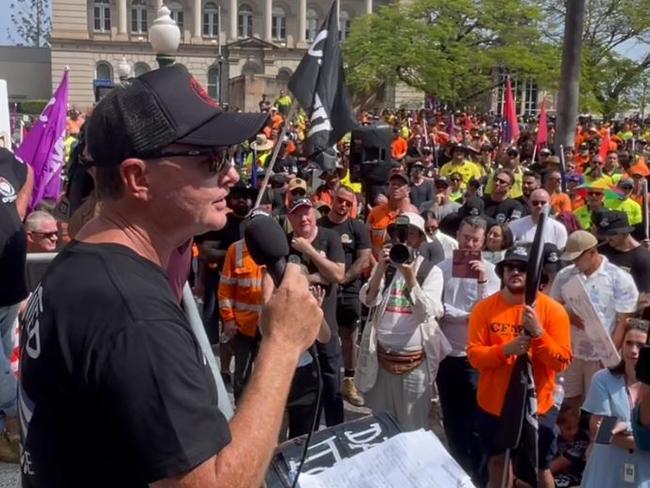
[{"x": 135, "y": 178}]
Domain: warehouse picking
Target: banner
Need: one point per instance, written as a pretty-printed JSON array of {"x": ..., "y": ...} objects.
[
  {"x": 510, "y": 124},
  {"x": 542, "y": 131},
  {"x": 43, "y": 147}
]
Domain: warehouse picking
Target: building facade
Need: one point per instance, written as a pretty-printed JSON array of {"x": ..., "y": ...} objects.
[{"x": 239, "y": 49}]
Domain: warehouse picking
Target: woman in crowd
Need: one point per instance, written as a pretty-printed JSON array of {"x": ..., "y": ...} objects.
[
  {"x": 615, "y": 392},
  {"x": 498, "y": 239}
]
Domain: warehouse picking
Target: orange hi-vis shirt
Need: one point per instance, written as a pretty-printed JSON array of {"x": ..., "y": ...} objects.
[
  {"x": 379, "y": 219},
  {"x": 561, "y": 202},
  {"x": 240, "y": 289},
  {"x": 492, "y": 324},
  {"x": 399, "y": 147}
]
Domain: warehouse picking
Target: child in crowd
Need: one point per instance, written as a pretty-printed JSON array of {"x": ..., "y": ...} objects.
[{"x": 572, "y": 446}]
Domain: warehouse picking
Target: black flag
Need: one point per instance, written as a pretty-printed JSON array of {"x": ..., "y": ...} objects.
[
  {"x": 519, "y": 427},
  {"x": 319, "y": 86}
]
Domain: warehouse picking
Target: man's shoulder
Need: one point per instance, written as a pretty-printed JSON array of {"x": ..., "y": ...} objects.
[
  {"x": 549, "y": 304},
  {"x": 488, "y": 304}
]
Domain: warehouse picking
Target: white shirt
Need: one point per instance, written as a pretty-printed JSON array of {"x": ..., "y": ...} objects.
[
  {"x": 611, "y": 291},
  {"x": 459, "y": 295},
  {"x": 448, "y": 243},
  {"x": 523, "y": 230}
]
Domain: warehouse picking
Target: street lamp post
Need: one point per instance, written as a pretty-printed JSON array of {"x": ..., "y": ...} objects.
[
  {"x": 123, "y": 70},
  {"x": 219, "y": 56},
  {"x": 165, "y": 37}
]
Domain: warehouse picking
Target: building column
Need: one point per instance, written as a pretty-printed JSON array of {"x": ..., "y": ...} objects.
[
  {"x": 122, "y": 16},
  {"x": 197, "y": 19},
  {"x": 232, "y": 11},
  {"x": 368, "y": 6},
  {"x": 302, "y": 23},
  {"x": 268, "y": 12}
]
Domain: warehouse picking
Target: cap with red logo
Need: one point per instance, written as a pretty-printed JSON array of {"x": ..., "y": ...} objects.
[{"x": 157, "y": 109}]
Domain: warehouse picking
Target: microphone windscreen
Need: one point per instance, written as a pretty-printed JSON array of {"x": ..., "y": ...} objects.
[{"x": 266, "y": 241}]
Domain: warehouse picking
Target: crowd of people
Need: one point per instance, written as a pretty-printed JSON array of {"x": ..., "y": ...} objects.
[{"x": 421, "y": 288}]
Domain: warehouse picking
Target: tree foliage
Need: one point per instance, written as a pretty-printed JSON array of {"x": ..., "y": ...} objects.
[
  {"x": 32, "y": 23},
  {"x": 450, "y": 49},
  {"x": 608, "y": 78}
]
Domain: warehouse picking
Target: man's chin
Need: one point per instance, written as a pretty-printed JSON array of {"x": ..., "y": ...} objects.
[{"x": 516, "y": 289}]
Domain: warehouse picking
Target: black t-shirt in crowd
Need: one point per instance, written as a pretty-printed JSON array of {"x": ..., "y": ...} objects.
[
  {"x": 635, "y": 261},
  {"x": 422, "y": 193},
  {"x": 231, "y": 233},
  {"x": 114, "y": 389},
  {"x": 505, "y": 211},
  {"x": 354, "y": 237},
  {"x": 328, "y": 243},
  {"x": 13, "y": 240}
]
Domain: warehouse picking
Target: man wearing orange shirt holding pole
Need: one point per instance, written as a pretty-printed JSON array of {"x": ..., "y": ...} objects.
[{"x": 502, "y": 327}]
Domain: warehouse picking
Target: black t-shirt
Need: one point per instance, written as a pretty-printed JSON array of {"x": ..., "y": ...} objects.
[
  {"x": 422, "y": 193},
  {"x": 230, "y": 234},
  {"x": 524, "y": 206},
  {"x": 636, "y": 262},
  {"x": 328, "y": 243},
  {"x": 13, "y": 240},
  {"x": 504, "y": 211},
  {"x": 354, "y": 237},
  {"x": 115, "y": 390}
]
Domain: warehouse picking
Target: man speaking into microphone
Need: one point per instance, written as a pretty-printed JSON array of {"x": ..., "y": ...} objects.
[{"x": 114, "y": 390}]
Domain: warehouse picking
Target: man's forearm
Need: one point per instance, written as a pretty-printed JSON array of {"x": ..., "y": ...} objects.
[
  {"x": 256, "y": 425},
  {"x": 357, "y": 267},
  {"x": 619, "y": 329},
  {"x": 331, "y": 271}
]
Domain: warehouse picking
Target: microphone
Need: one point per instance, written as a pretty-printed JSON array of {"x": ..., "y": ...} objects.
[{"x": 267, "y": 243}]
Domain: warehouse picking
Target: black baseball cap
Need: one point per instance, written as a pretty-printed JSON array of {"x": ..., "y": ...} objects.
[
  {"x": 518, "y": 253},
  {"x": 158, "y": 108},
  {"x": 300, "y": 202}
]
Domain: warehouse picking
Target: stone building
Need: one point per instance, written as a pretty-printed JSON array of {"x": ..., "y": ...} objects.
[{"x": 239, "y": 49}]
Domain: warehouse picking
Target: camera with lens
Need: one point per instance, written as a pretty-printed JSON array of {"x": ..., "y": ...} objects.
[{"x": 401, "y": 252}]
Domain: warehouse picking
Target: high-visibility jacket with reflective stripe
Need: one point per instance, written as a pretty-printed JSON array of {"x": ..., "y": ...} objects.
[{"x": 240, "y": 289}]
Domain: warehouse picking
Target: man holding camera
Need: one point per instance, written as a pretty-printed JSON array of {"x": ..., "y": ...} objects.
[{"x": 402, "y": 344}]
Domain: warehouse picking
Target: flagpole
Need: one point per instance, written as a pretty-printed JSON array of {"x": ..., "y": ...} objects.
[
  {"x": 276, "y": 152},
  {"x": 562, "y": 168},
  {"x": 646, "y": 224}
]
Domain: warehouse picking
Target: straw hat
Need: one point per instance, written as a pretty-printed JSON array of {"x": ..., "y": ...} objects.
[{"x": 261, "y": 143}]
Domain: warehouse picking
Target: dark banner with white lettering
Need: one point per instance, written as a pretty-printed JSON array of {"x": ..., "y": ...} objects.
[{"x": 319, "y": 86}]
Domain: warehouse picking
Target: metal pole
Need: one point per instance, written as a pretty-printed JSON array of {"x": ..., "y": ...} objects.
[{"x": 276, "y": 151}]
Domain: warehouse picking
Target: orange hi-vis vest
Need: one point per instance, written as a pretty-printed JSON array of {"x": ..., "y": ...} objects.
[{"x": 240, "y": 289}]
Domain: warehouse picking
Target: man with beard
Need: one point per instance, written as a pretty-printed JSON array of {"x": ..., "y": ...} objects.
[
  {"x": 502, "y": 327},
  {"x": 421, "y": 189},
  {"x": 498, "y": 204},
  {"x": 355, "y": 240},
  {"x": 531, "y": 182},
  {"x": 320, "y": 251},
  {"x": 213, "y": 246}
]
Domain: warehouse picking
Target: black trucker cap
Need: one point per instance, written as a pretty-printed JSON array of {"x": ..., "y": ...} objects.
[{"x": 158, "y": 108}]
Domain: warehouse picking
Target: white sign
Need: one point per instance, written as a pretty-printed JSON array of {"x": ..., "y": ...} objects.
[
  {"x": 5, "y": 128},
  {"x": 577, "y": 299}
]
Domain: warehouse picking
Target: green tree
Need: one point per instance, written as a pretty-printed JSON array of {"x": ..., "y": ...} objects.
[
  {"x": 449, "y": 49},
  {"x": 32, "y": 23},
  {"x": 607, "y": 77}
]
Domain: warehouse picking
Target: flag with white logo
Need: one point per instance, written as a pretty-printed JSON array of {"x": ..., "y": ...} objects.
[
  {"x": 43, "y": 147},
  {"x": 319, "y": 86}
]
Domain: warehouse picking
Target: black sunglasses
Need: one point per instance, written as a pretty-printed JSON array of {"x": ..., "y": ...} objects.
[
  {"x": 47, "y": 235},
  {"x": 519, "y": 267}
]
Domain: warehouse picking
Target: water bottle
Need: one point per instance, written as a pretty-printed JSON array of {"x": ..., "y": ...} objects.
[{"x": 558, "y": 392}]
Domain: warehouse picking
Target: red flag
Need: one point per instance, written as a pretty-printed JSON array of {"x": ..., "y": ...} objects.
[
  {"x": 468, "y": 122},
  {"x": 604, "y": 146},
  {"x": 542, "y": 131},
  {"x": 511, "y": 126}
]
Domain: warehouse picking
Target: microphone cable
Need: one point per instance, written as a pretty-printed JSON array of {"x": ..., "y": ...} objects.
[{"x": 314, "y": 354}]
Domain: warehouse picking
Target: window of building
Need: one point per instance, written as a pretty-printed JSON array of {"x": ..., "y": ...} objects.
[
  {"x": 530, "y": 97},
  {"x": 278, "y": 24},
  {"x": 210, "y": 20},
  {"x": 245, "y": 21},
  {"x": 177, "y": 14},
  {"x": 344, "y": 24},
  {"x": 102, "y": 15},
  {"x": 312, "y": 25},
  {"x": 103, "y": 71},
  {"x": 214, "y": 82},
  {"x": 138, "y": 17},
  {"x": 140, "y": 69}
]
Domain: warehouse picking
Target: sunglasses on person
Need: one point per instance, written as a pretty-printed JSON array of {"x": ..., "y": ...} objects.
[
  {"x": 501, "y": 181},
  {"x": 595, "y": 193},
  {"x": 219, "y": 159},
  {"x": 298, "y": 192},
  {"x": 47, "y": 235},
  {"x": 346, "y": 203},
  {"x": 518, "y": 267},
  {"x": 538, "y": 203}
]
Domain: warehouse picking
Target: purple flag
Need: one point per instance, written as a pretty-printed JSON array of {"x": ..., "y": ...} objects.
[{"x": 43, "y": 147}]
